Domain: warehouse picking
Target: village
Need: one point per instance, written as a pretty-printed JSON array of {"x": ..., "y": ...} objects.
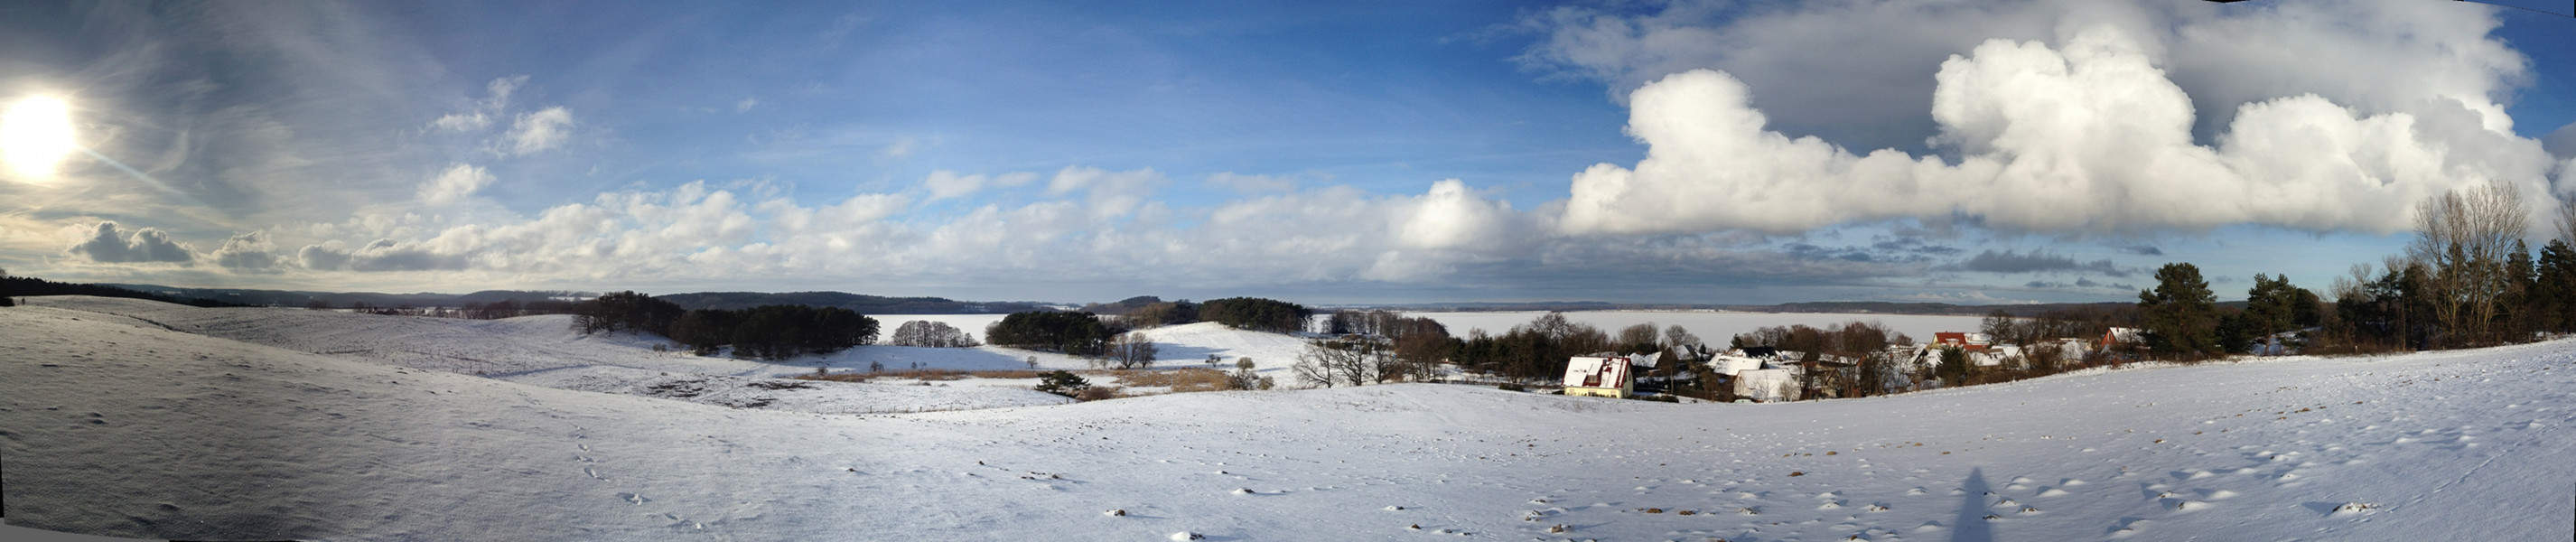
[{"x": 1767, "y": 374}]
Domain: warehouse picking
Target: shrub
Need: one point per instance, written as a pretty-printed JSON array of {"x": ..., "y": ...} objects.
[
  {"x": 1063, "y": 383},
  {"x": 1096, "y": 393},
  {"x": 1511, "y": 387}
]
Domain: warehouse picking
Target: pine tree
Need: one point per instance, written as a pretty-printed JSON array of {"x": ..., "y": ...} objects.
[{"x": 2181, "y": 313}]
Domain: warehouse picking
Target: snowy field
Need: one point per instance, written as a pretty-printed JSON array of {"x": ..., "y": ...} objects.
[
  {"x": 113, "y": 425},
  {"x": 1711, "y": 326}
]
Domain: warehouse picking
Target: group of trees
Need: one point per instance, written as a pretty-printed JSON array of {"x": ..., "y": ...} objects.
[
  {"x": 2182, "y": 319},
  {"x": 774, "y": 331},
  {"x": 509, "y": 309},
  {"x": 931, "y": 334},
  {"x": 1074, "y": 333},
  {"x": 1128, "y": 351},
  {"x": 626, "y": 311},
  {"x": 767, "y": 332},
  {"x": 1345, "y": 362},
  {"x": 1532, "y": 352},
  {"x": 2467, "y": 279},
  {"x": 1256, "y": 314}
]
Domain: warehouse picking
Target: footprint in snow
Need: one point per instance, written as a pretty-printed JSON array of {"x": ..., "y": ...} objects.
[{"x": 631, "y": 498}]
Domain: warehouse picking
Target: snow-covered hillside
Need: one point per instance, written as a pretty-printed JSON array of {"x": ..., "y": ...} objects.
[
  {"x": 543, "y": 350},
  {"x": 115, "y": 426}
]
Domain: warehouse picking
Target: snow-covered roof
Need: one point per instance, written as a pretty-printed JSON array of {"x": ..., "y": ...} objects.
[{"x": 1596, "y": 372}]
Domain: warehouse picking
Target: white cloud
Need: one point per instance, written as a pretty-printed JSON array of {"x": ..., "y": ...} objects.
[
  {"x": 2561, "y": 142},
  {"x": 107, "y": 243},
  {"x": 454, "y": 184},
  {"x": 944, "y": 184},
  {"x": 746, "y": 104},
  {"x": 2088, "y": 136},
  {"x": 1110, "y": 193},
  {"x": 480, "y": 116},
  {"x": 901, "y": 147},
  {"x": 248, "y": 253},
  {"x": 540, "y": 131},
  {"x": 1854, "y": 72}
]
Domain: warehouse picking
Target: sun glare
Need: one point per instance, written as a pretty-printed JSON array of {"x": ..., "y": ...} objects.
[{"x": 35, "y": 135}]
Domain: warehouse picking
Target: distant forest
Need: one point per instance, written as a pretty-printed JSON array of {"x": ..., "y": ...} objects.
[
  {"x": 11, "y": 287},
  {"x": 865, "y": 304}
]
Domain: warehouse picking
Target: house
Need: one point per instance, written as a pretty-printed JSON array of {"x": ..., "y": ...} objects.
[
  {"x": 1599, "y": 376},
  {"x": 1758, "y": 352},
  {"x": 1768, "y": 385},
  {"x": 1731, "y": 365},
  {"x": 2120, "y": 336},
  {"x": 1961, "y": 340}
]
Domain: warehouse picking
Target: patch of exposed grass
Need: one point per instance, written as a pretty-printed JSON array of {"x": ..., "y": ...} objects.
[{"x": 1179, "y": 380}]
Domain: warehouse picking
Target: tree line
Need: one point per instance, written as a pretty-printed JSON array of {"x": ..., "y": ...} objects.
[
  {"x": 772, "y": 332},
  {"x": 2467, "y": 279}
]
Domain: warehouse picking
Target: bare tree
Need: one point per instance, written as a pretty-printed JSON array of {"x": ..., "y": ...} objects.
[
  {"x": 1131, "y": 350},
  {"x": 1329, "y": 362},
  {"x": 2466, "y": 235}
]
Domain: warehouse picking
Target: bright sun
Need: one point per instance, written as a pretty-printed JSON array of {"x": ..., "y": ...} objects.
[{"x": 35, "y": 135}]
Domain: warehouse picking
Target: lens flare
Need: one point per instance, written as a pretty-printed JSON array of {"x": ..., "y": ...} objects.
[{"x": 35, "y": 135}]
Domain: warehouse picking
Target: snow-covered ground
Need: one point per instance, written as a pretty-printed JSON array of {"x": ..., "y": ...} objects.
[
  {"x": 1714, "y": 327},
  {"x": 545, "y": 351},
  {"x": 115, "y": 426}
]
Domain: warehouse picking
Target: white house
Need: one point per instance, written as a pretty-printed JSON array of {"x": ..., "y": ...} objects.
[
  {"x": 1733, "y": 365},
  {"x": 1768, "y": 385},
  {"x": 1598, "y": 376}
]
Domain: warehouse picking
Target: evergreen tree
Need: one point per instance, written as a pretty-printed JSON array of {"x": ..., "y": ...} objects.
[
  {"x": 2181, "y": 313},
  {"x": 2554, "y": 287}
]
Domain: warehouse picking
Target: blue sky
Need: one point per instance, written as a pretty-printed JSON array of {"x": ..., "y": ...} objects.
[{"x": 1431, "y": 151}]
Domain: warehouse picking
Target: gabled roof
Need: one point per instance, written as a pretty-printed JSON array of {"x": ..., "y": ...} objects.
[{"x": 1596, "y": 372}]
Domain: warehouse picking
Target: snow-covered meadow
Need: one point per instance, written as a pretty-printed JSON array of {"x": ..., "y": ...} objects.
[{"x": 163, "y": 425}]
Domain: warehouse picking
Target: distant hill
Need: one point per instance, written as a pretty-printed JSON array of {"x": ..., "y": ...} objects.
[
  {"x": 31, "y": 286},
  {"x": 1121, "y": 307},
  {"x": 290, "y": 298},
  {"x": 863, "y": 304}
]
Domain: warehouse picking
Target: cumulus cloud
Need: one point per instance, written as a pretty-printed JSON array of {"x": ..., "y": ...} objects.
[
  {"x": 2086, "y": 136},
  {"x": 2378, "y": 55},
  {"x": 108, "y": 243},
  {"x": 2036, "y": 261},
  {"x": 381, "y": 255},
  {"x": 543, "y": 130},
  {"x": 248, "y": 253},
  {"x": 454, "y": 183},
  {"x": 2561, "y": 142}
]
